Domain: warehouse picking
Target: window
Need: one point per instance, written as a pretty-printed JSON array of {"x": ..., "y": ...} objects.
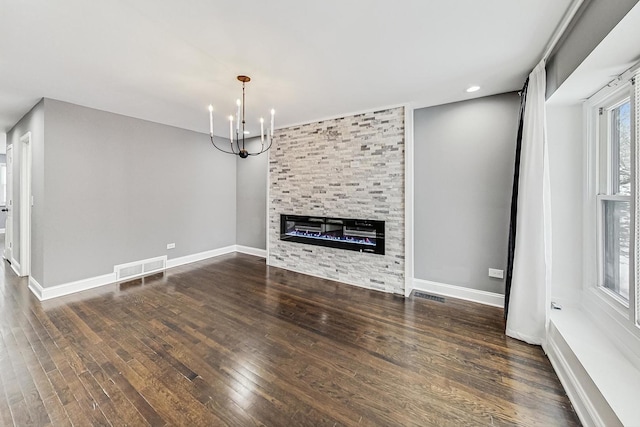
[
  {"x": 611, "y": 258},
  {"x": 612, "y": 216},
  {"x": 614, "y": 196}
]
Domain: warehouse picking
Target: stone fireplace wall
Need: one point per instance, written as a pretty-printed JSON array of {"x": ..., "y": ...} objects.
[{"x": 351, "y": 167}]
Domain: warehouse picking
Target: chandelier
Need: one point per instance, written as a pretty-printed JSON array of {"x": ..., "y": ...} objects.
[{"x": 237, "y": 144}]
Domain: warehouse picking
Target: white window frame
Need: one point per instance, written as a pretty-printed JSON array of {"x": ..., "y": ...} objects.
[
  {"x": 617, "y": 317},
  {"x": 604, "y": 190},
  {"x": 616, "y": 299}
]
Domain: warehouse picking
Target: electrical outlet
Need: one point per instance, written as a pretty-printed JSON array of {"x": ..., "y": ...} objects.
[
  {"x": 498, "y": 274},
  {"x": 171, "y": 245}
]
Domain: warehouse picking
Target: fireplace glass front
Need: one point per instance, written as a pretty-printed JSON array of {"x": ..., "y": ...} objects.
[{"x": 362, "y": 235}]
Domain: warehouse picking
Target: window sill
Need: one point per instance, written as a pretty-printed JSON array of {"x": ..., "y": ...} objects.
[{"x": 601, "y": 382}]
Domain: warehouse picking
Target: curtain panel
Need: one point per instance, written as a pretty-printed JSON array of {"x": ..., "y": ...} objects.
[{"x": 529, "y": 272}]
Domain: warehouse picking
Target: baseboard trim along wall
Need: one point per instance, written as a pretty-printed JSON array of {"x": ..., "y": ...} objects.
[
  {"x": 175, "y": 262},
  {"x": 15, "y": 266},
  {"x": 482, "y": 297},
  {"x": 467, "y": 294},
  {"x": 262, "y": 253},
  {"x": 69, "y": 288},
  {"x": 43, "y": 293},
  {"x": 36, "y": 288}
]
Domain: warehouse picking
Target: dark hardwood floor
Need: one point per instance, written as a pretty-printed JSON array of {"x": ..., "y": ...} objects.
[{"x": 229, "y": 341}]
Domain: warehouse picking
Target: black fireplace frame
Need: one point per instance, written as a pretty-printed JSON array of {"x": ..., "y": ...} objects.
[{"x": 323, "y": 227}]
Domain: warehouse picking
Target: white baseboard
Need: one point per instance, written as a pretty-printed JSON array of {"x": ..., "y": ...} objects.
[
  {"x": 467, "y": 294},
  {"x": 175, "y": 262},
  {"x": 36, "y": 288},
  {"x": 44, "y": 294},
  {"x": 15, "y": 267},
  {"x": 262, "y": 253}
]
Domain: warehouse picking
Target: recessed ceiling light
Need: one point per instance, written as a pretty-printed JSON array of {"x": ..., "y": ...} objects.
[{"x": 473, "y": 89}]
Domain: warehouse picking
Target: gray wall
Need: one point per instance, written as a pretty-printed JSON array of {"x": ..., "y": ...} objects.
[
  {"x": 32, "y": 122},
  {"x": 592, "y": 23},
  {"x": 118, "y": 189},
  {"x": 251, "y": 201},
  {"x": 464, "y": 156}
]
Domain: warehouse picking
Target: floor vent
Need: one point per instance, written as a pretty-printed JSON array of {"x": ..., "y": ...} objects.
[
  {"x": 428, "y": 296},
  {"x": 140, "y": 268}
]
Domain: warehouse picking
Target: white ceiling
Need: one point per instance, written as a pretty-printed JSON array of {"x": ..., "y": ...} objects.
[{"x": 165, "y": 60}]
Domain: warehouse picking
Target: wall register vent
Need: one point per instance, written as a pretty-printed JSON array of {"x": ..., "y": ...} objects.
[
  {"x": 424, "y": 295},
  {"x": 140, "y": 268}
]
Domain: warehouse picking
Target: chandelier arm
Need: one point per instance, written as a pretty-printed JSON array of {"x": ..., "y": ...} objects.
[
  {"x": 263, "y": 149},
  {"x": 220, "y": 149},
  {"x": 231, "y": 144},
  {"x": 270, "y": 144}
]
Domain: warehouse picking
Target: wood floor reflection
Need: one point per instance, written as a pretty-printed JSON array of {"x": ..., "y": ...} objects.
[{"x": 229, "y": 341}]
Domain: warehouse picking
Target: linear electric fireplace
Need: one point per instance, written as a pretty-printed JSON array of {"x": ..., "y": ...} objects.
[{"x": 362, "y": 235}]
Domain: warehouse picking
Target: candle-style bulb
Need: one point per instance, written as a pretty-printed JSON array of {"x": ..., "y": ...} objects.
[
  {"x": 273, "y": 114},
  {"x": 262, "y": 130},
  {"x": 211, "y": 120}
]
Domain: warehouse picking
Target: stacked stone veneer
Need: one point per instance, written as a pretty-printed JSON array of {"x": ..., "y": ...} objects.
[{"x": 352, "y": 167}]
